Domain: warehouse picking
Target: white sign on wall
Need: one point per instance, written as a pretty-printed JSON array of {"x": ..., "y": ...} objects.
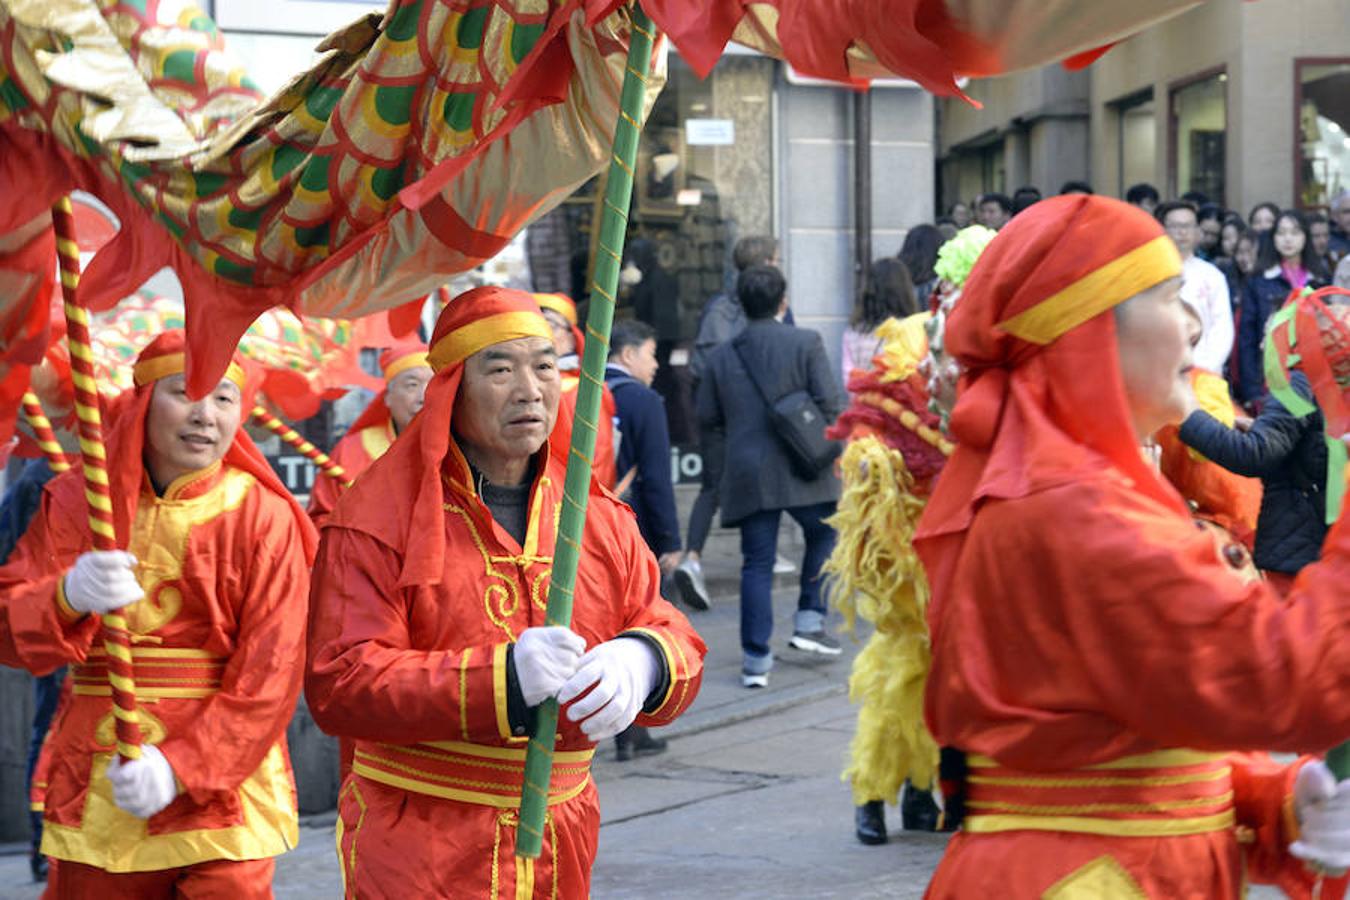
[{"x": 709, "y": 132}]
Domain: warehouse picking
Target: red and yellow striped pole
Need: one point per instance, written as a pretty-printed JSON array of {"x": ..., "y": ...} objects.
[
  {"x": 116, "y": 639},
  {"x": 292, "y": 437},
  {"x": 42, "y": 430}
]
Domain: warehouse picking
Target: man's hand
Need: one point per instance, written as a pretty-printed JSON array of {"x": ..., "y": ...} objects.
[
  {"x": 1323, "y": 809},
  {"x": 101, "y": 581},
  {"x": 545, "y": 658},
  {"x": 1243, "y": 423},
  {"x": 143, "y": 786},
  {"x": 668, "y": 561},
  {"x": 622, "y": 672}
]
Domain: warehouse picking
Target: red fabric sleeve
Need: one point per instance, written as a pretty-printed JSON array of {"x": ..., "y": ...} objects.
[
  {"x": 34, "y": 635},
  {"x": 1263, "y": 795},
  {"x": 365, "y": 678},
  {"x": 237, "y": 726}
]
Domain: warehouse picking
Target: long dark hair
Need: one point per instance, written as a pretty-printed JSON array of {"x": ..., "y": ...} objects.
[
  {"x": 920, "y": 251},
  {"x": 889, "y": 292},
  {"x": 1267, "y": 255}
]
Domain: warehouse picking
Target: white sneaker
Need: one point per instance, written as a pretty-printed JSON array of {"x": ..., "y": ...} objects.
[
  {"x": 689, "y": 579},
  {"x": 754, "y": 679},
  {"x": 782, "y": 565}
]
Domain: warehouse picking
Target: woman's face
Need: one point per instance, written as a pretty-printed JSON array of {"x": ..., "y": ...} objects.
[
  {"x": 1228, "y": 240},
  {"x": 1245, "y": 255},
  {"x": 1289, "y": 238},
  {"x": 1154, "y": 348},
  {"x": 1262, "y": 219}
]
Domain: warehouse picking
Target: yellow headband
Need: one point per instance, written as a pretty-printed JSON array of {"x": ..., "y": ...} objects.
[
  {"x": 560, "y": 305},
  {"x": 467, "y": 340},
  {"x": 1143, "y": 267},
  {"x": 404, "y": 363},
  {"x": 148, "y": 370}
]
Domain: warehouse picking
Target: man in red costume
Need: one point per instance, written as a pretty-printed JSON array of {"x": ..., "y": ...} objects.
[
  {"x": 427, "y": 643},
  {"x": 561, "y": 314},
  {"x": 406, "y": 374},
  {"x": 213, "y": 579},
  {"x": 1095, "y": 656}
]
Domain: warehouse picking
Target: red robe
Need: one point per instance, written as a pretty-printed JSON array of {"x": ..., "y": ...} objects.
[
  {"x": 355, "y": 452},
  {"x": 1074, "y": 663},
  {"x": 216, "y": 644},
  {"x": 416, "y": 673}
]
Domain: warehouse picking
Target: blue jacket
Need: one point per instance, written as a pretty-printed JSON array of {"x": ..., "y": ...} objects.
[
  {"x": 645, "y": 442},
  {"x": 21, "y": 503},
  {"x": 1289, "y": 455}
]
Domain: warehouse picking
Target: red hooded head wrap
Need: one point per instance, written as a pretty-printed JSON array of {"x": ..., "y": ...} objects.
[
  {"x": 125, "y": 437},
  {"x": 400, "y": 498},
  {"x": 1041, "y": 401},
  {"x": 394, "y": 361},
  {"x": 563, "y": 306}
]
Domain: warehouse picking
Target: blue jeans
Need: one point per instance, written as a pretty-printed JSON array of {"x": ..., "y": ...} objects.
[{"x": 759, "y": 547}]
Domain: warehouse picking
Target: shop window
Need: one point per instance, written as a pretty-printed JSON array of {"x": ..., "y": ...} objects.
[
  {"x": 1322, "y": 99},
  {"x": 1199, "y": 120},
  {"x": 704, "y": 179},
  {"x": 1137, "y": 140}
]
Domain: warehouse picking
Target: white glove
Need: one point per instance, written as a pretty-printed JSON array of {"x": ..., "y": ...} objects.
[
  {"x": 545, "y": 658},
  {"x": 623, "y": 672},
  {"x": 102, "y": 580},
  {"x": 143, "y": 786},
  {"x": 1323, "y": 810}
]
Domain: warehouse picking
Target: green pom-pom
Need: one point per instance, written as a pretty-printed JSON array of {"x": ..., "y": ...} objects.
[{"x": 957, "y": 256}]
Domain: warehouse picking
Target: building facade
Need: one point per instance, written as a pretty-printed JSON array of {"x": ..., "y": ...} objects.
[{"x": 1243, "y": 101}]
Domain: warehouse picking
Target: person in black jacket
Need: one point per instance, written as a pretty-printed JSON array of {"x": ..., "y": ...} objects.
[
  {"x": 771, "y": 360},
  {"x": 643, "y": 463},
  {"x": 1289, "y": 455}
]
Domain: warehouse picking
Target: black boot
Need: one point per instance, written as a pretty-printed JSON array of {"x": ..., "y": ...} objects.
[
  {"x": 37, "y": 864},
  {"x": 644, "y": 744},
  {"x": 870, "y": 821},
  {"x": 918, "y": 810}
]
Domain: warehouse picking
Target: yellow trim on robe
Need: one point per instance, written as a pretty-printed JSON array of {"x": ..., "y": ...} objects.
[
  {"x": 464, "y": 342},
  {"x": 1101, "y": 879},
  {"x": 117, "y": 841},
  {"x": 981, "y": 824},
  {"x": 1143, "y": 267},
  {"x": 63, "y": 607},
  {"x": 1157, "y": 759},
  {"x": 431, "y": 789},
  {"x": 499, "y": 694},
  {"x": 376, "y": 439}
]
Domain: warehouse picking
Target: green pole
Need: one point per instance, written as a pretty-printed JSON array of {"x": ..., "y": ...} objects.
[{"x": 576, "y": 486}]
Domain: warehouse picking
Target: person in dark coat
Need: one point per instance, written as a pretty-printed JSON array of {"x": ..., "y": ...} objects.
[
  {"x": 758, "y": 481},
  {"x": 643, "y": 468},
  {"x": 1289, "y": 455},
  {"x": 1285, "y": 261}
]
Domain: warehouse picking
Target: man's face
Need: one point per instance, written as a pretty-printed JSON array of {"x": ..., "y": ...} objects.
[
  {"x": 1153, "y": 346},
  {"x": 404, "y": 395},
  {"x": 564, "y": 341},
  {"x": 1180, "y": 227},
  {"x": 1321, "y": 237},
  {"x": 1210, "y": 230},
  {"x": 640, "y": 361},
  {"x": 508, "y": 400},
  {"x": 182, "y": 435},
  {"x": 1343, "y": 215},
  {"x": 992, "y": 215}
]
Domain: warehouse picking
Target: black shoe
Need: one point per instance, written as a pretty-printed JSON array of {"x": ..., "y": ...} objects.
[
  {"x": 37, "y": 863},
  {"x": 623, "y": 748},
  {"x": 870, "y": 819},
  {"x": 646, "y": 745},
  {"x": 918, "y": 810}
]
